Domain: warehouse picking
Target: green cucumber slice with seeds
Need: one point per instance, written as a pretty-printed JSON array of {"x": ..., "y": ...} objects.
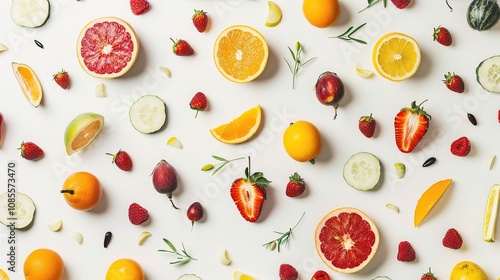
[
  {"x": 381, "y": 278},
  {"x": 488, "y": 74},
  {"x": 30, "y": 13},
  {"x": 362, "y": 171},
  {"x": 148, "y": 114},
  {"x": 16, "y": 205}
]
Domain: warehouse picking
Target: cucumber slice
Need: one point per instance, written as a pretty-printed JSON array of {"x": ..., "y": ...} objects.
[
  {"x": 188, "y": 277},
  {"x": 16, "y": 205},
  {"x": 381, "y": 278},
  {"x": 488, "y": 74},
  {"x": 362, "y": 171},
  {"x": 148, "y": 114},
  {"x": 30, "y": 13}
]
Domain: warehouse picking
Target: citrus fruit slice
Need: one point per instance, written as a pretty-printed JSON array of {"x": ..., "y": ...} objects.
[
  {"x": 321, "y": 13},
  {"x": 107, "y": 47},
  {"x": 396, "y": 56},
  {"x": 240, "y": 53},
  {"x": 346, "y": 239},
  {"x": 273, "y": 15},
  {"x": 3, "y": 47},
  {"x": 363, "y": 73},
  {"x": 491, "y": 213},
  {"x": 125, "y": 269},
  {"x": 143, "y": 236},
  {"x": 29, "y": 83},
  {"x": 240, "y": 129},
  {"x": 81, "y": 131},
  {"x": 55, "y": 226},
  {"x": 429, "y": 199},
  {"x": 302, "y": 141},
  {"x": 3, "y": 275},
  {"x": 174, "y": 142},
  {"x": 224, "y": 258},
  {"x": 43, "y": 264},
  {"x": 238, "y": 275}
]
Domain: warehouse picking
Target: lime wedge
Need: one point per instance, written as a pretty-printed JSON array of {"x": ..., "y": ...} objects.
[
  {"x": 81, "y": 131},
  {"x": 363, "y": 73},
  {"x": 490, "y": 215},
  {"x": 274, "y": 14}
]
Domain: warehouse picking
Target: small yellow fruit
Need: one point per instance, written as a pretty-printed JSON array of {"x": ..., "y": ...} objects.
[
  {"x": 467, "y": 270},
  {"x": 302, "y": 141},
  {"x": 274, "y": 14}
]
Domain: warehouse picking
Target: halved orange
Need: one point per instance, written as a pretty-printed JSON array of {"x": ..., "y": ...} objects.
[
  {"x": 240, "y": 53},
  {"x": 240, "y": 129},
  {"x": 396, "y": 56},
  {"x": 29, "y": 83},
  {"x": 429, "y": 199}
]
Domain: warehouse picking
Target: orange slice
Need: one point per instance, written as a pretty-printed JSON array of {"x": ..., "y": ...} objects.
[
  {"x": 240, "y": 129},
  {"x": 240, "y": 53},
  {"x": 429, "y": 199},
  {"x": 29, "y": 83},
  {"x": 396, "y": 56}
]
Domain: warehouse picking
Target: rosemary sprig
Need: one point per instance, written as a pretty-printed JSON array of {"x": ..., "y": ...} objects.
[
  {"x": 283, "y": 239},
  {"x": 373, "y": 2},
  {"x": 298, "y": 61},
  {"x": 182, "y": 257},
  {"x": 221, "y": 164},
  {"x": 347, "y": 35}
]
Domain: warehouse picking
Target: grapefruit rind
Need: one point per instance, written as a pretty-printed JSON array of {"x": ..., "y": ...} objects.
[
  {"x": 335, "y": 213},
  {"x": 429, "y": 199},
  {"x": 77, "y": 126},
  {"x": 131, "y": 39}
]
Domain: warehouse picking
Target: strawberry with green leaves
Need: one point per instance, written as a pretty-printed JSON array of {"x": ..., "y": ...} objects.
[
  {"x": 31, "y": 151},
  {"x": 62, "y": 79},
  {"x": 428, "y": 276},
  {"x": 410, "y": 126},
  {"x": 182, "y": 48},
  {"x": 442, "y": 36},
  {"x": 122, "y": 160},
  {"x": 200, "y": 20},
  {"x": 454, "y": 82},
  {"x": 249, "y": 193},
  {"x": 366, "y": 125},
  {"x": 295, "y": 186},
  {"x": 198, "y": 102}
]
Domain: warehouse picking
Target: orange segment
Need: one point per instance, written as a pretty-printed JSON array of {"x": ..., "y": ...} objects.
[
  {"x": 29, "y": 83},
  {"x": 240, "y": 53},
  {"x": 396, "y": 56},
  {"x": 429, "y": 199},
  {"x": 240, "y": 129}
]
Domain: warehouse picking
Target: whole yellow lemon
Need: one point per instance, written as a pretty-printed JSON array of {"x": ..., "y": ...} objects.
[{"x": 467, "y": 270}]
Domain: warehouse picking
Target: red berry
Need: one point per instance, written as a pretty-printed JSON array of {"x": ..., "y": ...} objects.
[
  {"x": 182, "y": 48},
  {"x": 442, "y": 36},
  {"x": 498, "y": 116},
  {"x": 62, "y": 79},
  {"x": 320, "y": 275},
  {"x": 454, "y": 82},
  {"x": 30, "y": 151},
  {"x": 400, "y": 4},
  {"x": 198, "y": 102},
  {"x": 366, "y": 125},
  {"x": 295, "y": 186},
  {"x": 137, "y": 214},
  {"x": 460, "y": 147},
  {"x": 428, "y": 276},
  {"x": 139, "y": 7},
  {"x": 406, "y": 252},
  {"x": 122, "y": 160},
  {"x": 200, "y": 20},
  {"x": 452, "y": 239},
  {"x": 1, "y": 127},
  {"x": 194, "y": 212},
  {"x": 288, "y": 272}
]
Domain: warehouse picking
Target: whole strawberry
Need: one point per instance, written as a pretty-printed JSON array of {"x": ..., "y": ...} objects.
[
  {"x": 182, "y": 48},
  {"x": 139, "y": 7},
  {"x": 288, "y": 272},
  {"x": 137, "y": 214},
  {"x": 198, "y": 102},
  {"x": 460, "y": 147},
  {"x": 454, "y": 82},
  {"x": 428, "y": 276},
  {"x": 406, "y": 252},
  {"x": 30, "y": 151},
  {"x": 122, "y": 160},
  {"x": 200, "y": 20},
  {"x": 400, "y": 4},
  {"x": 320, "y": 275},
  {"x": 62, "y": 79},
  {"x": 295, "y": 186},
  {"x": 452, "y": 239},
  {"x": 366, "y": 125},
  {"x": 442, "y": 36},
  {"x": 1, "y": 127}
]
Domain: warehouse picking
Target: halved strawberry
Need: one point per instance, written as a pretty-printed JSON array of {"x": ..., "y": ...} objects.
[
  {"x": 410, "y": 126},
  {"x": 249, "y": 194}
]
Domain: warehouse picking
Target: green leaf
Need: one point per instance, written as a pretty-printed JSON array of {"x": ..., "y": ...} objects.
[
  {"x": 170, "y": 245},
  {"x": 219, "y": 158},
  {"x": 293, "y": 54}
]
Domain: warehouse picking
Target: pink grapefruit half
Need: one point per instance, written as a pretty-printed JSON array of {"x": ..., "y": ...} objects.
[
  {"x": 107, "y": 47},
  {"x": 346, "y": 239}
]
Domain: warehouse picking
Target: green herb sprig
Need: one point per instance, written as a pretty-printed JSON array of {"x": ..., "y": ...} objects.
[
  {"x": 283, "y": 239},
  {"x": 347, "y": 35},
  {"x": 296, "y": 56},
  {"x": 219, "y": 165},
  {"x": 373, "y": 2},
  {"x": 182, "y": 257}
]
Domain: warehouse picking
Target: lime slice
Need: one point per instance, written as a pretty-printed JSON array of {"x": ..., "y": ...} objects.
[
  {"x": 490, "y": 215},
  {"x": 223, "y": 258},
  {"x": 143, "y": 236},
  {"x": 174, "y": 142},
  {"x": 363, "y": 73},
  {"x": 273, "y": 15},
  {"x": 81, "y": 131},
  {"x": 55, "y": 226}
]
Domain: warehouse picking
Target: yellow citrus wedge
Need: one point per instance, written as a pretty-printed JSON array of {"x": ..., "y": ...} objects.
[
  {"x": 240, "y": 53},
  {"x": 491, "y": 213},
  {"x": 241, "y": 276},
  {"x": 174, "y": 142},
  {"x": 223, "y": 258},
  {"x": 167, "y": 71},
  {"x": 55, "y": 226},
  {"x": 363, "y": 73},
  {"x": 396, "y": 56},
  {"x": 29, "y": 83},
  {"x": 78, "y": 237},
  {"x": 274, "y": 14},
  {"x": 3, "y": 275},
  {"x": 143, "y": 236},
  {"x": 429, "y": 199},
  {"x": 240, "y": 129},
  {"x": 2, "y": 49}
]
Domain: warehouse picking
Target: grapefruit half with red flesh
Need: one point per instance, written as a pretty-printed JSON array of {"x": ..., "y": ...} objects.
[
  {"x": 346, "y": 239},
  {"x": 107, "y": 47}
]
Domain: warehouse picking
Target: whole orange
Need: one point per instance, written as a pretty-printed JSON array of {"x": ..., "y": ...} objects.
[
  {"x": 82, "y": 190},
  {"x": 43, "y": 264},
  {"x": 125, "y": 269},
  {"x": 321, "y": 13},
  {"x": 302, "y": 141}
]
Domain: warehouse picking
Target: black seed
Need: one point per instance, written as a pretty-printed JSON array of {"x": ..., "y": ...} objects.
[
  {"x": 107, "y": 239},
  {"x": 472, "y": 119},
  {"x": 429, "y": 161},
  {"x": 38, "y": 44}
]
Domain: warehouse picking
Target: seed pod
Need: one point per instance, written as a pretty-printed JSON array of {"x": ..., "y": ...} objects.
[
  {"x": 207, "y": 167},
  {"x": 107, "y": 239},
  {"x": 472, "y": 119},
  {"x": 429, "y": 161},
  {"x": 38, "y": 44}
]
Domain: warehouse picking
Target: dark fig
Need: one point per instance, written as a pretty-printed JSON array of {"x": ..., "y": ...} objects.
[
  {"x": 165, "y": 179},
  {"x": 195, "y": 213},
  {"x": 329, "y": 90}
]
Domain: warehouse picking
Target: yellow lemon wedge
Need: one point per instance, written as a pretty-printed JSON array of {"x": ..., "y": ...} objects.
[
  {"x": 429, "y": 199},
  {"x": 55, "y": 226},
  {"x": 491, "y": 213},
  {"x": 3, "y": 275},
  {"x": 223, "y": 258},
  {"x": 363, "y": 73},
  {"x": 274, "y": 14},
  {"x": 174, "y": 142},
  {"x": 240, "y": 129},
  {"x": 238, "y": 275},
  {"x": 142, "y": 237}
]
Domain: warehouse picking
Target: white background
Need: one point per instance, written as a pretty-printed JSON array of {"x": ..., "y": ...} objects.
[{"x": 461, "y": 207}]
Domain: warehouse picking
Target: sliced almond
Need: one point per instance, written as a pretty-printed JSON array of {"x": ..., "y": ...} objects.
[
  {"x": 223, "y": 258},
  {"x": 55, "y": 226},
  {"x": 166, "y": 71},
  {"x": 3, "y": 47},
  {"x": 78, "y": 237},
  {"x": 100, "y": 91},
  {"x": 491, "y": 161},
  {"x": 142, "y": 237},
  {"x": 393, "y": 207},
  {"x": 174, "y": 142}
]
